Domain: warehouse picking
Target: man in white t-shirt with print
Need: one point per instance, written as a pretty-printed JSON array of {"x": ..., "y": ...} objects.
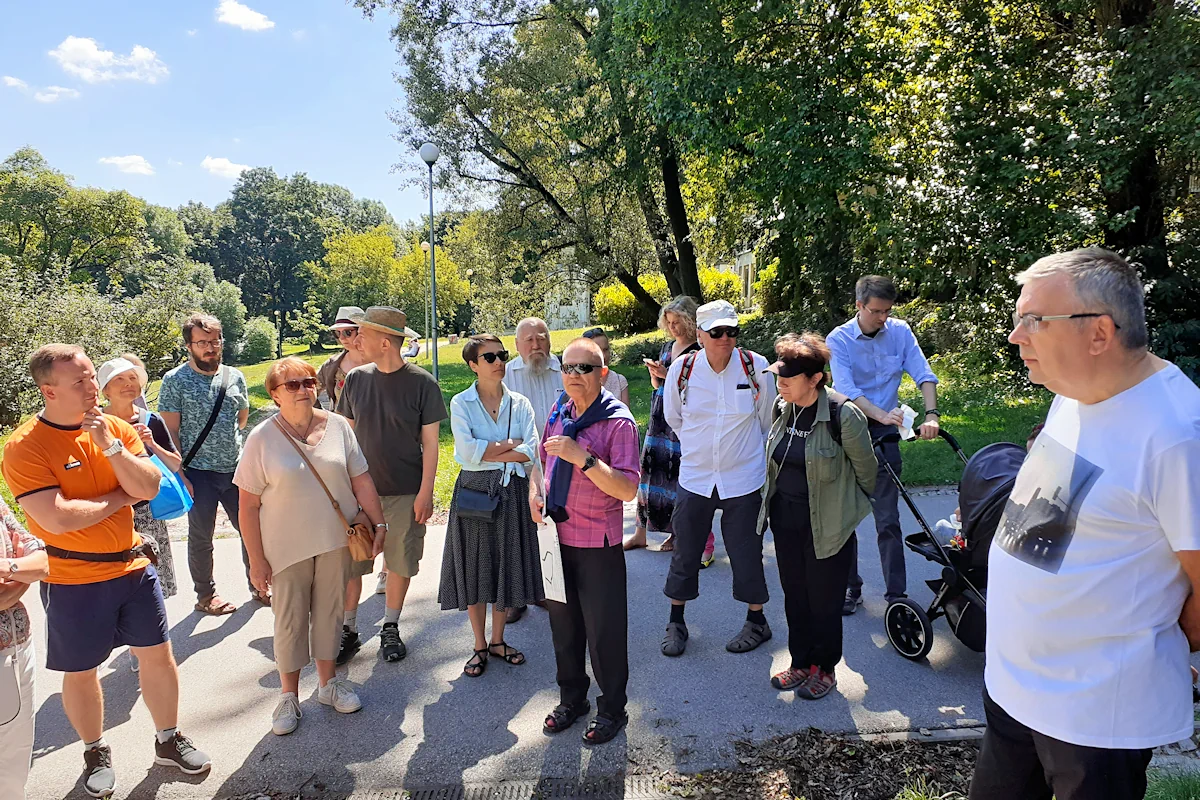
[{"x": 1094, "y": 572}]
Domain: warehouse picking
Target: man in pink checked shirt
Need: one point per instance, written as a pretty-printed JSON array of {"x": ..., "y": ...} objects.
[{"x": 591, "y": 456}]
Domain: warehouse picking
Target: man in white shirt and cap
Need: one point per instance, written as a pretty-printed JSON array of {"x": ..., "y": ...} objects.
[{"x": 718, "y": 401}]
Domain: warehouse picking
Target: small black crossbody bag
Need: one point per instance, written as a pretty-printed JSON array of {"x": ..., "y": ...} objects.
[{"x": 474, "y": 504}]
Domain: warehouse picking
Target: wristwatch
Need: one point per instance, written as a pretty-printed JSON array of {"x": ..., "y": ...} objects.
[
  {"x": 13, "y": 569},
  {"x": 383, "y": 525},
  {"x": 114, "y": 448},
  {"x": 588, "y": 463},
  {"x": 934, "y": 412}
]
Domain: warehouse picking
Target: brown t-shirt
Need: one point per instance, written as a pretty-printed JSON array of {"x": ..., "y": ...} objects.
[{"x": 389, "y": 410}]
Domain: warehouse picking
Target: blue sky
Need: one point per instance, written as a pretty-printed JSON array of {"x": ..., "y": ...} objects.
[{"x": 190, "y": 90}]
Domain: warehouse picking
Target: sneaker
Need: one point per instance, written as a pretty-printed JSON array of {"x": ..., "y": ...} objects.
[
  {"x": 381, "y": 586},
  {"x": 391, "y": 646},
  {"x": 819, "y": 684},
  {"x": 133, "y": 663},
  {"x": 851, "y": 603},
  {"x": 339, "y": 694},
  {"x": 99, "y": 779},
  {"x": 178, "y": 751},
  {"x": 286, "y": 716},
  {"x": 710, "y": 552},
  {"x": 350, "y": 645}
]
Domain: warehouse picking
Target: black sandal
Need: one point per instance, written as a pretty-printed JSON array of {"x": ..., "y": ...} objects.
[
  {"x": 510, "y": 655},
  {"x": 563, "y": 716},
  {"x": 604, "y": 728},
  {"x": 477, "y": 664}
]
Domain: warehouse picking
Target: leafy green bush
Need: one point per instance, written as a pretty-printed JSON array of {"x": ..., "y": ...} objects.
[
  {"x": 633, "y": 349},
  {"x": 261, "y": 340},
  {"x": 153, "y": 324},
  {"x": 614, "y": 304}
]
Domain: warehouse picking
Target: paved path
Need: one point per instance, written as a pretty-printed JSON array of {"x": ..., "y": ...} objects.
[{"x": 426, "y": 724}]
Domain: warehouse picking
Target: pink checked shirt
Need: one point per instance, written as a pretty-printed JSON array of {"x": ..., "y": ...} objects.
[
  {"x": 14, "y": 541},
  {"x": 597, "y": 519}
]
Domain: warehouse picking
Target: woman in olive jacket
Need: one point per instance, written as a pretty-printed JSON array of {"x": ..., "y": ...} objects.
[{"x": 821, "y": 471}]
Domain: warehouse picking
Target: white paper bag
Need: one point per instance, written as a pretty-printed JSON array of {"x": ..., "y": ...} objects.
[{"x": 551, "y": 557}]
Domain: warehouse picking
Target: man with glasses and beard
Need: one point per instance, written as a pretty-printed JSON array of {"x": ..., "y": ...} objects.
[{"x": 205, "y": 406}]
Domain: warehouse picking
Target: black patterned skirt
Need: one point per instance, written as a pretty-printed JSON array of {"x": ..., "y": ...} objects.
[{"x": 491, "y": 562}]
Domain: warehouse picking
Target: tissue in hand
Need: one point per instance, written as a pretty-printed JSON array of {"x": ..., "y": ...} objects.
[{"x": 910, "y": 416}]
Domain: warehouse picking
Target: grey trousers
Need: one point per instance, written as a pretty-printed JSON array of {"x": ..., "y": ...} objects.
[
  {"x": 211, "y": 488},
  {"x": 886, "y": 502},
  {"x": 692, "y": 522}
]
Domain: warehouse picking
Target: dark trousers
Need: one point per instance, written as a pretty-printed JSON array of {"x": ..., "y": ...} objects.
[
  {"x": 692, "y": 522},
  {"x": 1016, "y": 763},
  {"x": 595, "y": 621},
  {"x": 886, "y": 502},
  {"x": 210, "y": 488},
  {"x": 812, "y": 587}
]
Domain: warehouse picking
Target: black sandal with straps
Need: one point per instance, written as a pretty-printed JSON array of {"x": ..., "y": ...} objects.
[
  {"x": 478, "y": 663},
  {"x": 604, "y": 728},
  {"x": 510, "y": 655},
  {"x": 563, "y": 716}
]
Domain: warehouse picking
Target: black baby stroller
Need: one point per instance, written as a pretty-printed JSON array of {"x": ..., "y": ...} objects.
[{"x": 960, "y": 594}]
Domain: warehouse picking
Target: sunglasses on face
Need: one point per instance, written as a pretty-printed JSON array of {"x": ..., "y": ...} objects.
[
  {"x": 724, "y": 330},
  {"x": 579, "y": 369},
  {"x": 491, "y": 357},
  {"x": 294, "y": 385},
  {"x": 347, "y": 333}
]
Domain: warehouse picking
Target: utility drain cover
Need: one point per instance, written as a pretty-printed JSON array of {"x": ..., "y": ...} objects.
[{"x": 631, "y": 788}]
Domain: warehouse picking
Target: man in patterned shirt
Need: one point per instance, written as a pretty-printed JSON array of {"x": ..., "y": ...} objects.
[{"x": 590, "y": 450}]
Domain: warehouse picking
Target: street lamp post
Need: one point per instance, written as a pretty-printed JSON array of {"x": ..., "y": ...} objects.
[
  {"x": 425, "y": 250},
  {"x": 429, "y": 154},
  {"x": 278, "y": 335}
]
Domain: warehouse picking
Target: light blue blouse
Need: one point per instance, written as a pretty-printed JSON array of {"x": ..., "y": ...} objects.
[{"x": 474, "y": 429}]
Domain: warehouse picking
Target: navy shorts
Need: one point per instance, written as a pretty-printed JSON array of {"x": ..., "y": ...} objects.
[{"x": 86, "y": 621}]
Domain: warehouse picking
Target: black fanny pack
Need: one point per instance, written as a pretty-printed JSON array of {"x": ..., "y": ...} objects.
[{"x": 147, "y": 549}]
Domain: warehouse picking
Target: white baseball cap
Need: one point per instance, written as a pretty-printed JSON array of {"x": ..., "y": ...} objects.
[
  {"x": 716, "y": 314},
  {"x": 111, "y": 369}
]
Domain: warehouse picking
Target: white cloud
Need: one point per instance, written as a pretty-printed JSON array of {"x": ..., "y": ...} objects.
[
  {"x": 84, "y": 58},
  {"x": 134, "y": 165},
  {"x": 52, "y": 94},
  {"x": 300, "y": 35},
  {"x": 15, "y": 83},
  {"x": 223, "y": 167},
  {"x": 173, "y": 163},
  {"x": 231, "y": 12},
  {"x": 192, "y": 32}
]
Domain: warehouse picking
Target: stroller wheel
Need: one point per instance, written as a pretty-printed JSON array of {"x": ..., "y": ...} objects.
[{"x": 908, "y": 629}]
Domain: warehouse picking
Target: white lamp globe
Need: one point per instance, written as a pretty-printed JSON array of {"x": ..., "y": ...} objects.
[{"x": 429, "y": 153}]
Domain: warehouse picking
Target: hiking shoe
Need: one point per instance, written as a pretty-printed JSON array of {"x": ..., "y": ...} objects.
[
  {"x": 381, "y": 586},
  {"x": 391, "y": 646},
  {"x": 851, "y": 603},
  {"x": 819, "y": 684},
  {"x": 99, "y": 778},
  {"x": 749, "y": 637},
  {"x": 178, "y": 751},
  {"x": 350, "y": 645},
  {"x": 286, "y": 716},
  {"x": 790, "y": 678},
  {"x": 339, "y": 694}
]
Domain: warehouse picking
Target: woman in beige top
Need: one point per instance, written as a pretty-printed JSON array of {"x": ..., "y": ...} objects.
[{"x": 296, "y": 543}]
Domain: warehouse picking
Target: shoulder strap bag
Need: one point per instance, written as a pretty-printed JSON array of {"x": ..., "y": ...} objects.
[
  {"x": 212, "y": 419},
  {"x": 474, "y": 504},
  {"x": 360, "y": 540}
]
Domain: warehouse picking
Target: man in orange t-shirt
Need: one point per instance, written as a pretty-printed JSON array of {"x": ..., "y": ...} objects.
[{"x": 76, "y": 473}]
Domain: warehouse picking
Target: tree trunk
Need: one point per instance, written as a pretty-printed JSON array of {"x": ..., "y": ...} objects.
[
  {"x": 689, "y": 275},
  {"x": 646, "y": 316}
]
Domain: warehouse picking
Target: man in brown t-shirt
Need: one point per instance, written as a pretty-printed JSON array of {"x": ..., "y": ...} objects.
[{"x": 395, "y": 408}]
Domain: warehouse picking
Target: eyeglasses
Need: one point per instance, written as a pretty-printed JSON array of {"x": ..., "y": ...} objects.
[
  {"x": 491, "y": 357},
  {"x": 1031, "y": 322},
  {"x": 579, "y": 369},
  {"x": 724, "y": 330},
  {"x": 346, "y": 333},
  {"x": 294, "y": 385},
  {"x": 593, "y": 333},
  {"x": 207, "y": 344}
]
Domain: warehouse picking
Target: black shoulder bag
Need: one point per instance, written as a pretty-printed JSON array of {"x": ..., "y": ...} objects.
[
  {"x": 474, "y": 504},
  {"x": 212, "y": 419}
]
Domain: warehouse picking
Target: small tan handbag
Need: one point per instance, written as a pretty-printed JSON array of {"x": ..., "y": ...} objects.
[{"x": 359, "y": 538}]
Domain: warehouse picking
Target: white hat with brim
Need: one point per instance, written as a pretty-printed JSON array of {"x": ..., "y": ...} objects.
[
  {"x": 716, "y": 314},
  {"x": 111, "y": 369},
  {"x": 383, "y": 318},
  {"x": 409, "y": 333},
  {"x": 345, "y": 318}
]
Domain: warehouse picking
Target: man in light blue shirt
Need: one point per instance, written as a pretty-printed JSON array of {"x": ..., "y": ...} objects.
[{"x": 870, "y": 354}]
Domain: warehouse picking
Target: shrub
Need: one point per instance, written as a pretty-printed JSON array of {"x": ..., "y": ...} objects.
[
  {"x": 223, "y": 300},
  {"x": 614, "y": 305},
  {"x": 153, "y": 323},
  {"x": 633, "y": 349},
  {"x": 261, "y": 341}
]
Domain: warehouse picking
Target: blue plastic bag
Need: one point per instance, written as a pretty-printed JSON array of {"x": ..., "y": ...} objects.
[{"x": 173, "y": 499}]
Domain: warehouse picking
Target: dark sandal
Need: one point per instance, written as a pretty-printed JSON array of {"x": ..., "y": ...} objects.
[
  {"x": 477, "y": 664},
  {"x": 750, "y": 637},
  {"x": 675, "y": 639},
  {"x": 604, "y": 728},
  {"x": 215, "y": 606},
  {"x": 789, "y": 679},
  {"x": 510, "y": 655},
  {"x": 563, "y": 716},
  {"x": 261, "y": 597}
]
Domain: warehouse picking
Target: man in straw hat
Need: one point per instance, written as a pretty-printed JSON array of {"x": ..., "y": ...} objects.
[{"x": 395, "y": 408}]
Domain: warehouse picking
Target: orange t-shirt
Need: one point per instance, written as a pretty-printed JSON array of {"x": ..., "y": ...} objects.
[{"x": 42, "y": 456}]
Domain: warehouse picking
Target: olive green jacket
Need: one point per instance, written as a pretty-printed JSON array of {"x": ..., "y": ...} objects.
[{"x": 841, "y": 477}]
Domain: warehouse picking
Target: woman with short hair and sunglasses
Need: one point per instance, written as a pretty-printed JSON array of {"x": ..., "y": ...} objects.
[
  {"x": 491, "y": 555},
  {"x": 332, "y": 375},
  {"x": 296, "y": 541}
]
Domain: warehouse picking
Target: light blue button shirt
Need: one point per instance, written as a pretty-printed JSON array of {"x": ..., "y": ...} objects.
[
  {"x": 871, "y": 367},
  {"x": 474, "y": 429}
]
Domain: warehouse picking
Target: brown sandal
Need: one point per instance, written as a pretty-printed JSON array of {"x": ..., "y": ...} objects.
[
  {"x": 215, "y": 606},
  {"x": 261, "y": 597}
]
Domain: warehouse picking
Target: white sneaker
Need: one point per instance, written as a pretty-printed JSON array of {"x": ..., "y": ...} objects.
[
  {"x": 286, "y": 716},
  {"x": 339, "y": 694},
  {"x": 381, "y": 587}
]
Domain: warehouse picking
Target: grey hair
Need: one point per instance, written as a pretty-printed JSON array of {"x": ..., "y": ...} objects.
[
  {"x": 683, "y": 307},
  {"x": 1105, "y": 283},
  {"x": 530, "y": 321},
  {"x": 875, "y": 286}
]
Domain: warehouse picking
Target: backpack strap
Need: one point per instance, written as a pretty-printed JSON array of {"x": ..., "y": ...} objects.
[
  {"x": 685, "y": 374},
  {"x": 836, "y": 401},
  {"x": 748, "y": 368}
]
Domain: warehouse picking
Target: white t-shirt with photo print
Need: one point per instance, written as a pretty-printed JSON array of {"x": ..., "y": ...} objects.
[{"x": 1084, "y": 587}]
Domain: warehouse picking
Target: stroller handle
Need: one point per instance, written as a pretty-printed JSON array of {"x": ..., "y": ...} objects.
[{"x": 891, "y": 438}]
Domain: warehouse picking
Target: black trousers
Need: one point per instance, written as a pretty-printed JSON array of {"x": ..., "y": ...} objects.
[
  {"x": 813, "y": 588},
  {"x": 1017, "y": 763},
  {"x": 594, "y": 620},
  {"x": 692, "y": 522}
]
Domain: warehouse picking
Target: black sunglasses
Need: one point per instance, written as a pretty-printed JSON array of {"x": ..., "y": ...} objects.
[
  {"x": 594, "y": 332},
  {"x": 294, "y": 385},
  {"x": 724, "y": 330},
  {"x": 346, "y": 333},
  {"x": 579, "y": 369},
  {"x": 491, "y": 357}
]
